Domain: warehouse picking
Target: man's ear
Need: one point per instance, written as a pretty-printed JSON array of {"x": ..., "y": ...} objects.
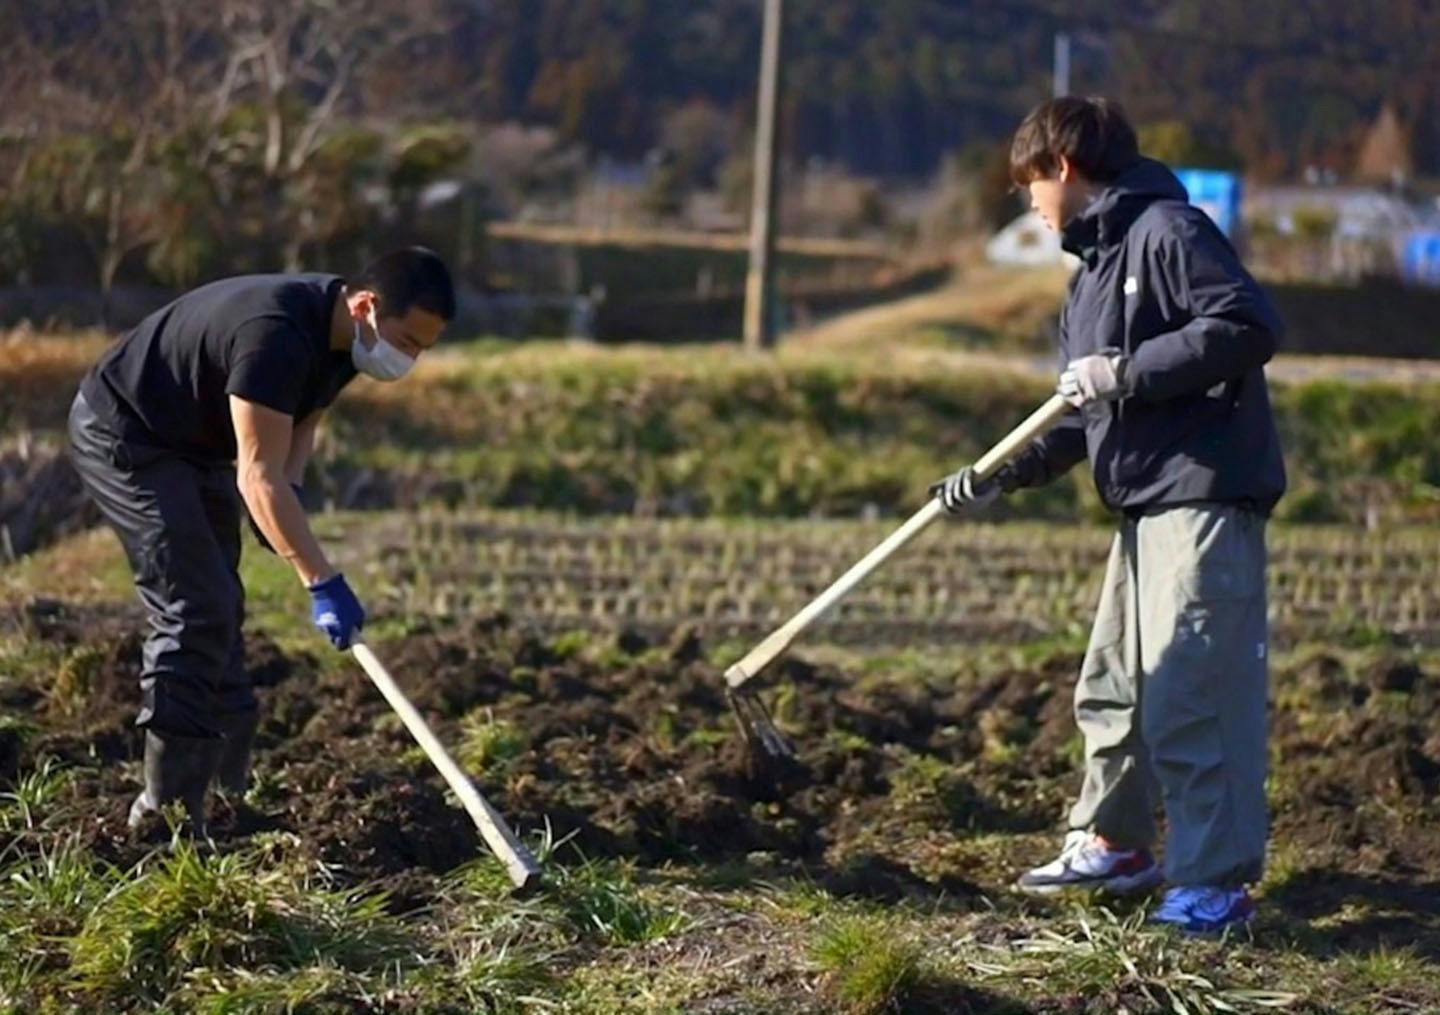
[
  {"x": 1067, "y": 169},
  {"x": 362, "y": 302}
]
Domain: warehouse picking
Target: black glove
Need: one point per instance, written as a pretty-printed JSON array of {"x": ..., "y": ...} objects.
[
  {"x": 260, "y": 536},
  {"x": 962, "y": 492}
]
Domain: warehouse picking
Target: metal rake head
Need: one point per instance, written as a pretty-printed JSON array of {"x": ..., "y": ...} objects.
[{"x": 757, "y": 727}]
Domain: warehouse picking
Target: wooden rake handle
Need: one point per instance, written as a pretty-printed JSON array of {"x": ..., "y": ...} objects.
[
  {"x": 520, "y": 864},
  {"x": 1037, "y": 423}
]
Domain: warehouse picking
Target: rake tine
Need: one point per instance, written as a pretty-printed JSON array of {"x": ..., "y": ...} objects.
[
  {"x": 750, "y": 735},
  {"x": 771, "y": 739},
  {"x": 757, "y": 727},
  {"x": 779, "y": 744}
]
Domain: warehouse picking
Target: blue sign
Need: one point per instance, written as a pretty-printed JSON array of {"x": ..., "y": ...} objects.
[
  {"x": 1217, "y": 193},
  {"x": 1421, "y": 261}
]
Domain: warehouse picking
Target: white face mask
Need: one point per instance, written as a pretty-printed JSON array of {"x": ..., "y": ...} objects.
[{"x": 382, "y": 360}]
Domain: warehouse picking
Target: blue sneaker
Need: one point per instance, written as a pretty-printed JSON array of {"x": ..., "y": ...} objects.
[{"x": 1204, "y": 910}]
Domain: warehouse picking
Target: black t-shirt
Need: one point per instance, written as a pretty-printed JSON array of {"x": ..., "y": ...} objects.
[{"x": 264, "y": 338}]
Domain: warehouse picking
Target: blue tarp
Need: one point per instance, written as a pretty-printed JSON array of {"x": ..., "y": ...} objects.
[
  {"x": 1420, "y": 262},
  {"x": 1217, "y": 193}
]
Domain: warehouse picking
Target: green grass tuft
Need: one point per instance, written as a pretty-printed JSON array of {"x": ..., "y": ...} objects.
[
  {"x": 489, "y": 745},
  {"x": 1102, "y": 954},
  {"x": 570, "y": 644},
  {"x": 602, "y": 900},
  {"x": 932, "y": 787},
  {"x": 872, "y": 968},
  {"x": 23, "y": 807},
  {"x": 191, "y": 912},
  {"x": 73, "y": 682},
  {"x": 245, "y": 992},
  {"x": 45, "y": 896},
  {"x": 502, "y": 978},
  {"x": 1388, "y": 970}
]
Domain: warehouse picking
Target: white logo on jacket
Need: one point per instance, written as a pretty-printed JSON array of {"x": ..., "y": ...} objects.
[{"x": 1132, "y": 285}]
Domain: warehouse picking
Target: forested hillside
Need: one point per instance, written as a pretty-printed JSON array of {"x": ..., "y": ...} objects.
[
  {"x": 254, "y": 134},
  {"x": 891, "y": 87},
  {"x": 886, "y": 87}
]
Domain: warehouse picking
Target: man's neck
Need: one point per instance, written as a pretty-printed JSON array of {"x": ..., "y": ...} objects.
[{"x": 342, "y": 325}]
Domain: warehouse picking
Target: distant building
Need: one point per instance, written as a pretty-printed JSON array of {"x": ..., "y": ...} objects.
[
  {"x": 1347, "y": 232},
  {"x": 1356, "y": 211},
  {"x": 1026, "y": 242},
  {"x": 1367, "y": 229}
]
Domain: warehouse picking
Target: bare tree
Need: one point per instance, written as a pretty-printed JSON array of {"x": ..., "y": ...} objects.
[
  {"x": 298, "y": 65},
  {"x": 154, "y": 125},
  {"x": 100, "y": 96}
]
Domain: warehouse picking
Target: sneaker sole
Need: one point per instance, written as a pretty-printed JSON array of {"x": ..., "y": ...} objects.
[
  {"x": 1125, "y": 884},
  {"x": 1213, "y": 932}
]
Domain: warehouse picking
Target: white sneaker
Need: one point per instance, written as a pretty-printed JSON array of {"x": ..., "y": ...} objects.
[{"x": 1088, "y": 863}]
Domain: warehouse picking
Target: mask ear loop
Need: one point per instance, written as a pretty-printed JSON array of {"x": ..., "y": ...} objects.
[{"x": 370, "y": 318}]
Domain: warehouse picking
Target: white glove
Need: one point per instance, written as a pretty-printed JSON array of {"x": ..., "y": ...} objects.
[{"x": 1098, "y": 378}]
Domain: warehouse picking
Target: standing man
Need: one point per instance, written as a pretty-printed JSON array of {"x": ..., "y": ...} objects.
[
  {"x": 221, "y": 392},
  {"x": 1163, "y": 336}
]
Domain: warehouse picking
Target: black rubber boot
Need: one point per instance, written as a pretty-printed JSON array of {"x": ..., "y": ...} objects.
[
  {"x": 233, "y": 773},
  {"x": 176, "y": 768}
]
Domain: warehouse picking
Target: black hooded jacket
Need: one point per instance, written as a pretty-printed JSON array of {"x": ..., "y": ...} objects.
[{"x": 1159, "y": 282}]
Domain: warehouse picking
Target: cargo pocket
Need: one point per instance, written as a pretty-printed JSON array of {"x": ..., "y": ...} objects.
[{"x": 1213, "y": 599}]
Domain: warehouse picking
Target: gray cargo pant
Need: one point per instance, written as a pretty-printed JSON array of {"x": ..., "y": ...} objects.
[
  {"x": 179, "y": 522},
  {"x": 1172, "y": 693}
]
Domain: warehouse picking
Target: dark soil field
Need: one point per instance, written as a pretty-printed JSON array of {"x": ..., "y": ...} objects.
[
  {"x": 921, "y": 786},
  {"x": 573, "y": 665}
]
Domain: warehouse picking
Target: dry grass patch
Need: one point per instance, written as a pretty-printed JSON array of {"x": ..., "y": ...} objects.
[{"x": 39, "y": 374}]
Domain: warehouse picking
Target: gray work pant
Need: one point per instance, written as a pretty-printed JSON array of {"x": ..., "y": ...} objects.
[
  {"x": 179, "y": 522},
  {"x": 1172, "y": 693}
]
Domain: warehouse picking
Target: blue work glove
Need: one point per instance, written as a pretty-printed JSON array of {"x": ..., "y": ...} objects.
[
  {"x": 336, "y": 611},
  {"x": 260, "y": 536}
]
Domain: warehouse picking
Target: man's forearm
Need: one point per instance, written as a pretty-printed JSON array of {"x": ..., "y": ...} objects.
[
  {"x": 1205, "y": 352},
  {"x": 302, "y": 442},
  {"x": 277, "y": 511}
]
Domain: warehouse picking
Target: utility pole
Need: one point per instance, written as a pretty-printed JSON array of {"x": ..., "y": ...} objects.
[
  {"x": 760, "y": 280},
  {"x": 1062, "y": 64}
]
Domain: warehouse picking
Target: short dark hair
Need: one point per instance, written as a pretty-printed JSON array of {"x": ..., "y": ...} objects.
[
  {"x": 410, "y": 277},
  {"x": 1093, "y": 135}
]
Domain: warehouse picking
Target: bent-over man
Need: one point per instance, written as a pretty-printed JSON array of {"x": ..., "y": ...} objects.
[{"x": 212, "y": 400}]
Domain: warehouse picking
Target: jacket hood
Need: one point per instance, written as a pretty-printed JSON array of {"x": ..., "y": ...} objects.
[{"x": 1106, "y": 220}]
